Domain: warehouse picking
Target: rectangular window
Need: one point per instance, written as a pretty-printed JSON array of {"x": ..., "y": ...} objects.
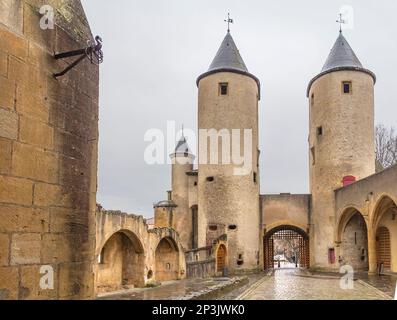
[
  {"x": 255, "y": 177},
  {"x": 223, "y": 89},
  {"x": 347, "y": 87},
  {"x": 312, "y": 100},
  {"x": 319, "y": 131}
]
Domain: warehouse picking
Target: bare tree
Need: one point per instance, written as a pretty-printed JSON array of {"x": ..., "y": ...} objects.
[{"x": 386, "y": 147}]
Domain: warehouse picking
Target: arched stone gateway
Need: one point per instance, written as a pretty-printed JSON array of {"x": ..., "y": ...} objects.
[
  {"x": 167, "y": 260},
  {"x": 121, "y": 263},
  {"x": 353, "y": 239},
  {"x": 287, "y": 244},
  {"x": 384, "y": 222}
]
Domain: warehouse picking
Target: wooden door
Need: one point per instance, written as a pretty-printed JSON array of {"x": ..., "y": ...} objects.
[
  {"x": 383, "y": 247},
  {"x": 221, "y": 258}
]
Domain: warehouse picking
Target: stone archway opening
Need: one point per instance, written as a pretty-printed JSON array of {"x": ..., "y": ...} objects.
[
  {"x": 167, "y": 260},
  {"x": 354, "y": 241},
  {"x": 286, "y": 247},
  {"x": 120, "y": 263},
  {"x": 385, "y": 225}
]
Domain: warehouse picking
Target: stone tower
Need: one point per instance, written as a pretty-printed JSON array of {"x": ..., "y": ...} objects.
[
  {"x": 228, "y": 202},
  {"x": 182, "y": 163},
  {"x": 341, "y": 140},
  {"x": 48, "y": 154}
]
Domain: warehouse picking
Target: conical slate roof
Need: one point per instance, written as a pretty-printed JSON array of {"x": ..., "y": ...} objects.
[
  {"x": 228, "y": 56},
  {"x": 182, "y": 148},
  {"x": 342, "y": 55},
  {"x": 228, "y": 59}
]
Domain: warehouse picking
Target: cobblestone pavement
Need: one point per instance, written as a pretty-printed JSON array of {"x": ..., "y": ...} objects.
[
  {"x": 171, "y": 290},
  {"x": 300, "y": 285}
]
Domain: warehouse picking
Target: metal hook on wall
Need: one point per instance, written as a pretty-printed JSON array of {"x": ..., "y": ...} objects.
[{"x": 93, "y": 52}]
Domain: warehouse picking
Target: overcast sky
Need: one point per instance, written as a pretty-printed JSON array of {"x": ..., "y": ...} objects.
[{"x": 155, "y": 49}]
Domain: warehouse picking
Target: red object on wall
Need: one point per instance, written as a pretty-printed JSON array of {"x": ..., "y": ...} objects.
[{"x": 348, "y": 180}]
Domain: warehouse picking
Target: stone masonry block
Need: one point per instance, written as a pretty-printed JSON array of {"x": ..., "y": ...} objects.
[
  {"x": 23, "y": 219},
  {"x": 32, "y": 104},
  {"x": 30, "y": 284},
  {"x": 15, "y": 190},
  {"x": 27, "y": 77},
  {"x": 13, "y": 44},
  {"x": 7, "y": 93},
  {"x": 46, "y": 195},
  {"x": 9, "y": 283},
  {"x": 36, "y": 133},
  {"x": 8, "y": 124},
  {"x": 5, "y": 155},
  {"x": 25, "y": 248},
  {"x": 34, "y": 163},
  {"x": 3, "y": 64},
  {"x": 4, "y": 249}
]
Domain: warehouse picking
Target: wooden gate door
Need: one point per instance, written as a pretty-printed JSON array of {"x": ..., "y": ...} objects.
[
  {"x": 383, "y": 247},
  {"x": 221, "y": 258}
]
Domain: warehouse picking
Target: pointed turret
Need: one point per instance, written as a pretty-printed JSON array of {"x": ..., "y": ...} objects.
[
  {"x": 182, "y": 149},
  {"x": 341, "y": 57},
  {"x": 228, "y": 56},
  {"x": 228, "y": 59}
]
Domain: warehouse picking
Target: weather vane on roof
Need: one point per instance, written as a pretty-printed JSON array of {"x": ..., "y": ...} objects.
[
  {"x": 229, "y": 21},
  {"x": 340, "y": 21}
]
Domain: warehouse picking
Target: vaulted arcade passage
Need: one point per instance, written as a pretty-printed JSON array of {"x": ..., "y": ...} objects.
[
  {"x": 121, "y": 263},
  {"x": 354, "y": 246},
  {"x": 167, "y": 260}
]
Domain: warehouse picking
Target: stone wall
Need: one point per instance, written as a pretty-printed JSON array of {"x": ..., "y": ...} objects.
[
  {"x": 286, "y": 209},
  {"x": 149, "y": 260},
  {"x": 375, "y": 197},
  {"x": 48, "y": 153}
]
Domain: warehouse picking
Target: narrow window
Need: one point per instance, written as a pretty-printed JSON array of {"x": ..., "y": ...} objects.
[
  {"x": 312, "y": 100},
  {"x": 210, "y": 179},
  {"x": 347, "y": 87},
  {"x": 195, "y": 183},
  {"x": 355, "y": 237},
  {"x": 232, "y": 227},
  {"x": 319, "y": 131},
  {"x": 223, "y": 89},
  {"x": 255, "y": 177}
]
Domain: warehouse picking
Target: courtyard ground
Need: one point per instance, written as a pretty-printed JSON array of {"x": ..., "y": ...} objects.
[
  {"x": 282, "y": 284},
  {"x": 293, "y": 284}
]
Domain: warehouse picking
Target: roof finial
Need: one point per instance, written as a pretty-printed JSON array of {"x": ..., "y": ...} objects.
[
  {"x": 229, "y": 21},
  {"x": 340, "y": 21}
]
